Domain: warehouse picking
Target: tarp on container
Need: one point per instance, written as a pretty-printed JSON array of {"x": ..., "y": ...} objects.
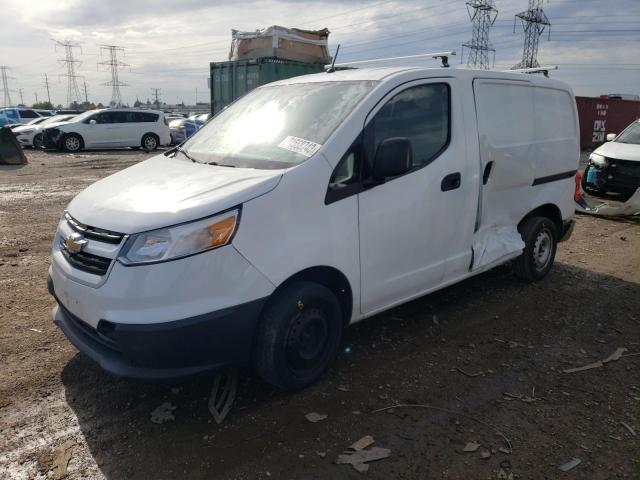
[
  {"x": 280, "y": 42},
  {"x": 10, "y": 150}
]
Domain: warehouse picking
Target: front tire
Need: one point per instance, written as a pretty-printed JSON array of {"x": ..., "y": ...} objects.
[
  {"x": 149, "y": 142},
  {"x": 72, "y": 143},
  {"x": 540, "y": 237},
  {"x": 38, "y": 141},
  {"x": 299, "y": 336}
]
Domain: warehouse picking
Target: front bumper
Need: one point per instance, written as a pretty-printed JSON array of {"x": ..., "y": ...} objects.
[
  {"x": 619, "y": 176},
  {"x": 168, "y": 350}
]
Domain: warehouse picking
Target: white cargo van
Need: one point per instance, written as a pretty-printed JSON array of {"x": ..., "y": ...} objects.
[{"x": 309, "y": 204}]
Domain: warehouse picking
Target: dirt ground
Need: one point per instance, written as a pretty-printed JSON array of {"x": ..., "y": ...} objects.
[{"x": 489, "y": 353}]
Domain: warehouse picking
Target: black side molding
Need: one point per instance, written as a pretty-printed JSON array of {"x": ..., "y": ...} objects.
[{"x": 554, "y": 178}]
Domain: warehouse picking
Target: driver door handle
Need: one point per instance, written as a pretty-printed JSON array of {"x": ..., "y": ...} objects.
[{"x": 451, "y": 182}]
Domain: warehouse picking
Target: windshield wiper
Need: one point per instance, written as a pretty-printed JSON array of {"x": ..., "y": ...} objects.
[
  {"x": 220, "y": 164},
  {"x": 178, "y": 149}
]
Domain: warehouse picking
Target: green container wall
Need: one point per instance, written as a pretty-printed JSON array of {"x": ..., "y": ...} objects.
[{"x": 231, "y": 80}]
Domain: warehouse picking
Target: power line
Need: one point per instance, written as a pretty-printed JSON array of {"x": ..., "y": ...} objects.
[
  {"x": 5, "y": 86},
  {"x": 114, "y": 65},
  {"x": 483, "y": 16},
  {"x": 73, "y": 92},
  {"x": 534, "y": 21}
]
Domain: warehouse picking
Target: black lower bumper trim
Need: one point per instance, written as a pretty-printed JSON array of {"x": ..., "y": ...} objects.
[{"x": 168, "y": 350}]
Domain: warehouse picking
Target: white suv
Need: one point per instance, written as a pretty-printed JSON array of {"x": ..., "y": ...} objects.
[{"x": 110, "y": 128}]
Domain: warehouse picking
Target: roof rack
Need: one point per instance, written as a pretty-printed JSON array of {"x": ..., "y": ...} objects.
[
  {"x": 543, "y": 69},
  {"x": 444, "y": 56}
]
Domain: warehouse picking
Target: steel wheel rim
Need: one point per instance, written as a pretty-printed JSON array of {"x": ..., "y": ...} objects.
[
  {"x": 542, "y": 249},
  {"x": 307, "y": 340}
]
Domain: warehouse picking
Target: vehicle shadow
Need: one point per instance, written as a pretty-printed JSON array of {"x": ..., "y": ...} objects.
[{"x": 266, "y": 430}]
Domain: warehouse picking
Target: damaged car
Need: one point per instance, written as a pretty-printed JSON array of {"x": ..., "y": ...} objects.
[{"x": 614, "y": 167}]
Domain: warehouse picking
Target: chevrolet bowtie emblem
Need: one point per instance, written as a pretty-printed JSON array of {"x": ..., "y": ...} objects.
[{"x": 75, "y": 242}]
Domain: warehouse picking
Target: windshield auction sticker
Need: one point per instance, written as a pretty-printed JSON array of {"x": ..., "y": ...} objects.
[{"x": 299, "y": 145}]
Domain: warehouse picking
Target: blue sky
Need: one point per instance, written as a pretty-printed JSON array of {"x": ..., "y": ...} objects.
[{"x": 169, "y": 44}]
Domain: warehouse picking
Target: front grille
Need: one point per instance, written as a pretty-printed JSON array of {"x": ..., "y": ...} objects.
[
  {"x": 86, "y": 262},
  {"x": 626, "y": 174},
  {"x": 94, "y": 232}
]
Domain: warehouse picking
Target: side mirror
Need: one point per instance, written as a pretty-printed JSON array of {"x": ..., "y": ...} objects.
[
  {"x": 92, "y": 122},
  {"x": 611, "y": 137},
  {"x": 394, "y": 157}
]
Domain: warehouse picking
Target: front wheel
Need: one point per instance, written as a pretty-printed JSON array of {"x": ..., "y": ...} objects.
[
  {"x": 72, "y": 143},
  {"x": 149, "y": 142},
  {"x": 38, "y": 141},
  {"x": 299, "y": 336},
  {"x": 540, "y": 238}
]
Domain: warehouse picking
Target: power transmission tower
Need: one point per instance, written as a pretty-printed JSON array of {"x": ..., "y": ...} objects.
[
  {"x": 114, "y": 65},
  {"x": 46, "y": 84},
  {"x": 483, "y": 16},
  {"x": 534, "y": 21},
  {"x": 156, "y": 95},
  {"x": 5, "y": 86},
  {"x": 21, "y": 93},
  {"x": 73, "y": 92}
]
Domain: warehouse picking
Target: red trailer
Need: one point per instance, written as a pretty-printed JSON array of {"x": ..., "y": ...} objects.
[{"x": 600, "y": 116}]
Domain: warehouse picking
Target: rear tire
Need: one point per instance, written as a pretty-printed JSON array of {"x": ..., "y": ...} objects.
[
  {"x": 149, "y": 142},
  {"x": 540, "y": 237},
  {"x": 72, "y": 143},
  {"x": 299, "y": 336}
]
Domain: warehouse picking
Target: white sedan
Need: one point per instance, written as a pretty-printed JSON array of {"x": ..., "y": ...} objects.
[{"x": 30, "y": 135}]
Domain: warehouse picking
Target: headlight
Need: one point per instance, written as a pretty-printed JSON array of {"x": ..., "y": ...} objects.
[
  {"x": 181, "y": 240},
  {"x": 598, "y": 160}
]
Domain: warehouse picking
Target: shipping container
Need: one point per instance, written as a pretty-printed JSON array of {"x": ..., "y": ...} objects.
[
  {"x": 601, "y": 116},
  {"x": 231, "y": 80}
]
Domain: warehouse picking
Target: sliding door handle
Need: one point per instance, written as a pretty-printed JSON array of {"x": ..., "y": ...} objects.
[{"x": 451, "y": 182}]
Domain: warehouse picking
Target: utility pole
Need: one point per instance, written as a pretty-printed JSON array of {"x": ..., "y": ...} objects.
[
  {"x": 196, "y": 95},
  {"x": 46, "y": 84},
  {"x": 483, "y": 16},
  {"x": 534, "y": 21},
  {"x": 73, "y": 92},
  {"x": 86, "y": 95},
  {"x": 5, "y": 86},
  {"x": 114, "y": 66},
  {"x": 36, "y": 94},
  {"x": 21, "y": 93},
  {"x": 156, "y": 95}
]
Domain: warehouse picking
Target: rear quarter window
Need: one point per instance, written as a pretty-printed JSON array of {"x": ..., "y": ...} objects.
[{"x": 144, "y": 117}]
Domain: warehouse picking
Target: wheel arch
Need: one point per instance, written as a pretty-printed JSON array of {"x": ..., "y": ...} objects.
[
  {"x": 330, "y": 277},
  {"x": 548, "y": 210}
]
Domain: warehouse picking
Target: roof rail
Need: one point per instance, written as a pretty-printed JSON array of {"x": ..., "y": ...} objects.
[
  {"x": 542, "y": 69},
  {"x": 444, "y": 56}
]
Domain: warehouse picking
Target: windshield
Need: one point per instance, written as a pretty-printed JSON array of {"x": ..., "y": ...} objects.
[
  {"x": 631, "y": 134},
  {"x": 276, "y": 126}
]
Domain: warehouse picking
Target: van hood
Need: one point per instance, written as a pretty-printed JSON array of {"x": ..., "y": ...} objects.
[
  {"x": 163, "y": 191},
  {"x": 619, "y": 151}
]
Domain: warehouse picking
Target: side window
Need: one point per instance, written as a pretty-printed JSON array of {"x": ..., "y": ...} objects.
[
  {"x": 117, "y": 117},
  {"x": 28, "y": 114},
  {"x": 421, "y": 114},
  {"x": 345, "y": 179}
]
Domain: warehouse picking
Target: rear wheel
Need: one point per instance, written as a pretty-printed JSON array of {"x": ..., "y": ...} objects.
[
  {"x": 540, "y": 238},
  {"x": 72, "y": 142},
  {"x": 149, "y": 142},
  {"x": 299, "y": 335},
  {"x": 38, "y": 141}
]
